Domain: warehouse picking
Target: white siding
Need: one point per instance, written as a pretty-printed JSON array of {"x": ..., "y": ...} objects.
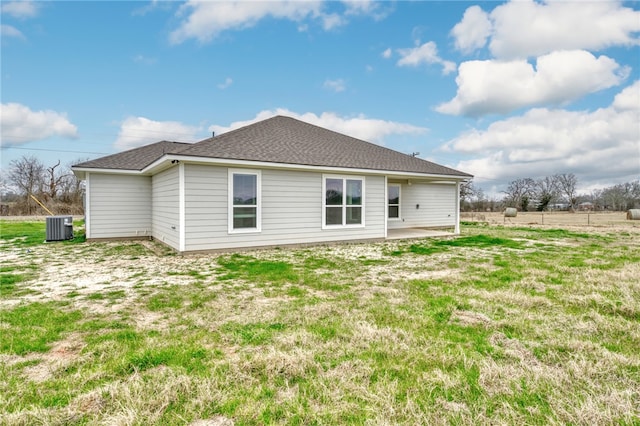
[
  {"x": 437, "y": 206},
  {"x": 165, "y": 200},
  {"x": 291, "y": 210},
  {"x": 119, "y": 206}
]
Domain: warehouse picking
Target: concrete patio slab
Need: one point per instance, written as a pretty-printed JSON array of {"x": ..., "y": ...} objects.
[{"x": 408, "y": 233}]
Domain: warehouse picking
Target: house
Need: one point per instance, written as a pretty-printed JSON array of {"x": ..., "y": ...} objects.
[{"x": 275, "y": 182}]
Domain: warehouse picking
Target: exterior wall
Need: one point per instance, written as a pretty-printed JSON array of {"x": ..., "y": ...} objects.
[
  {"x": 291, "y": 210},
  {"x": 437, "y": 206},
  {"x": 165, "y": 221},
  {"x": 119, "y": 206}
]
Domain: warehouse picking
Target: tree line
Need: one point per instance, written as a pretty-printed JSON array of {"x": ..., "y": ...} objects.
[
  {"x": 556, "y": 192},
  {"x": 61, "y": 192},
  {"x": 53, "y": 185}
]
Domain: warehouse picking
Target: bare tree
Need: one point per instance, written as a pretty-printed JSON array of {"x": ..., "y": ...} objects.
[
  {"x": 5, "y": 184},
  {"x": 27, "y": 175},
  {"x": 472, "y": 197},
  {"x": 546, "y": 191},
  {"x": 467, "y": 191},
  {"x": 72, "y": 188},
  {"x": 634, "y": 194},
  {"x": 56, "y": 186},
  {"x": 567, "y": 183},
  {"x": 519, "y": 192},
  {"x": 619, "y": 197},
  {"x": 54, "y": 179}
]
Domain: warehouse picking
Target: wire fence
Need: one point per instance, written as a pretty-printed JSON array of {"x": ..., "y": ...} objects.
[{"x": 595, "y": 219}]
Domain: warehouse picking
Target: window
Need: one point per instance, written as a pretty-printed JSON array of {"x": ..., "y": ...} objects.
[
  {"x": 244, "y": 201},
  {"x": 343, "y": 202},
  {"x": 393, "y": 201}
]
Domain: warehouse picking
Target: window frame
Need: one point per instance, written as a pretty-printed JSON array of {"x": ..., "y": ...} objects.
[
  {"x": 231, "y": 206},
  {"x": 344, "y": 204},
  {"x": 389, "y": 185}
]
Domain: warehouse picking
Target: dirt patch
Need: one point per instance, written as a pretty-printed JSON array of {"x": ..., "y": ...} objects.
[
  {"x": 470, "y": 318},
  {"x": 214, "y": 421},
  {"x": 62, "y": 354}
]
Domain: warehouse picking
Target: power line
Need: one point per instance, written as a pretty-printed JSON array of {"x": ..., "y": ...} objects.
[
  {"x": 129, "y": 133},
  {"x": 54, "y": 150}
]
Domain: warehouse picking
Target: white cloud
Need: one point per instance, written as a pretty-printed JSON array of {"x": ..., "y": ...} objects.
[
  {"x": 335, "y": 85},
  {"x": 361, "y": 127},
  {"x": 9, "y": 31},
  {"x": 330, "y": 21},
  {"x": 227, "y": 82},
  {"x": 21, "y": 9},
  {"x": 600, "y": 145},
  {"x": 494, "y": 86},
  {"x": 361, "y": 7},
  {"x": 424, "y": 54},
  {"x": 526, "y": 28},
  {"x": 139, "y": 131},
  {"x": 149, "y": 7},
  {"x": 204, "y": 20},
  {"x": 628, "y": 99},
  {"x": 472, "y": 32},
  {"x": 387, "y": 53},
  {"x": 19, "y": 124},
  {"x": 376, "y": 9},
  {"x": 145, "y": 60}
]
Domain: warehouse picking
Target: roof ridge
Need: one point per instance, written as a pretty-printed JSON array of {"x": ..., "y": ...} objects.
[
  {"x": 232, "y": 131},
  {"x": 364, "y": 141},
  {"x": 349, "y": 136}
]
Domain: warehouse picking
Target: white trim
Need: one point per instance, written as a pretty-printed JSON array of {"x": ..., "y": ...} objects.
[
  {"x": 87, "y": 205},
  {"x": 457, "y": 226},
  {"x": 268, "y": 165},
  {"x": 160, "y": 164},
  {"x": 109, "y": 171},
  {"x": 395, "y": 219},
  {"x": 344, "y": 206},
  {"x": 182, "y": 232},
  {"x": 258, "y": 174},
  {"x": 386, "y": 207}
]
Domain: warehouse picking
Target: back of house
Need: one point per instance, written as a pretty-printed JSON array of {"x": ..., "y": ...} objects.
[{"x": 275, "y": 182}]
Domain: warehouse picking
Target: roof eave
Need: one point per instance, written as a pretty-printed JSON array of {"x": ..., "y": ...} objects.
[
  {"x": 167, "y": 159},
  {"x": 81, "y": 172}
]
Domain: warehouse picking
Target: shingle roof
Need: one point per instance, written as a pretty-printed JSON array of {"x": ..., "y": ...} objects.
[
  {"x": 135, "y": 159},
  {"x": 283, "y": 140}
]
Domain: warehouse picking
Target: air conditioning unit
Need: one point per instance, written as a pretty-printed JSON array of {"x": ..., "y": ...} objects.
[{"x": 59, "y": 228}]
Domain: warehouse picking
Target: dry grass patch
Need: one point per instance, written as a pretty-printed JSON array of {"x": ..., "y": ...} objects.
[{"x": 504, "y": 325}]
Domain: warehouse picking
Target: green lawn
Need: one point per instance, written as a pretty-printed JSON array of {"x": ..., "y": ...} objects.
[
  {"x": 498, "y": 326},
  {"x": 33, "y": 233}
]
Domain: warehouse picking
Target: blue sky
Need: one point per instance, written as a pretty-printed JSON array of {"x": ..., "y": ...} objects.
[{"x": 500, "y": 90}]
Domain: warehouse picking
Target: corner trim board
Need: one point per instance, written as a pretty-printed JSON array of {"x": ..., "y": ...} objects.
[
  {"x": 181, "y": 208},
  {"x": 87, "y": 206}
]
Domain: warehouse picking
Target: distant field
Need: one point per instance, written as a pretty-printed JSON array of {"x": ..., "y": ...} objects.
[
  {"x": 523, "y": 325},
  {"x": 578, "y": 219}
]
